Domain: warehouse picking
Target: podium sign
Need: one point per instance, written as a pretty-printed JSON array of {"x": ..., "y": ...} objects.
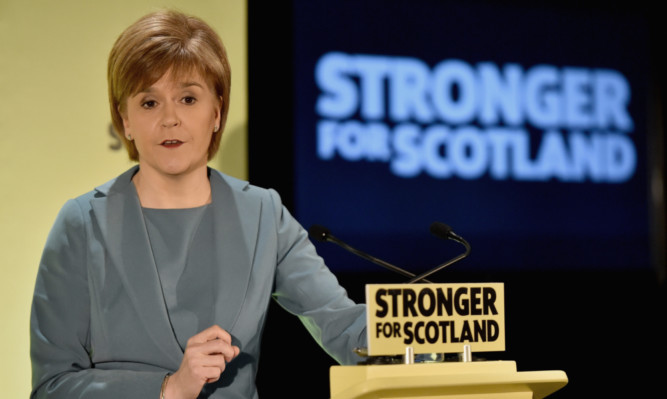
[{"x": 435, "y": 318}]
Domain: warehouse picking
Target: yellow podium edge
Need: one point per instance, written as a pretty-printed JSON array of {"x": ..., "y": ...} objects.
[{"x": 541, "y": 383}]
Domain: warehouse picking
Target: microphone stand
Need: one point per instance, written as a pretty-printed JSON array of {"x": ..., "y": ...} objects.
[
  {"x": 322, "y": 234},
  {"x": 451, "y": 236}
]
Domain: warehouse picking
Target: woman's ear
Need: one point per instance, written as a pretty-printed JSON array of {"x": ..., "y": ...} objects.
[
  {"x": 218, "y": 112},
  {"x": 126, "y": 123}
]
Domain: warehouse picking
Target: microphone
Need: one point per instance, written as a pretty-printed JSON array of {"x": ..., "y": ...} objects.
[
  {"x": 445, "y": 232},
  {"x": 321, "y": 233}
]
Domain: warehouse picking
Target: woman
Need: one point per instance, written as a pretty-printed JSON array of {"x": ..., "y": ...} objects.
[{"x": 156, "y": 284}]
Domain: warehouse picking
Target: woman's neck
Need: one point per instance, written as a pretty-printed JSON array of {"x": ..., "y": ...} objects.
[{"x": 156, "y": 190}]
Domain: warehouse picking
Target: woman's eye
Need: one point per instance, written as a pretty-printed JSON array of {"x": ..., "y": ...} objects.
[
  {"x": 148, "y": 104},
  {"x": 189, "y": 100}
]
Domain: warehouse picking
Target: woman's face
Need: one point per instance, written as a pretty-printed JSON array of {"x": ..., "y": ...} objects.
[{"x": 171, "y": 123}]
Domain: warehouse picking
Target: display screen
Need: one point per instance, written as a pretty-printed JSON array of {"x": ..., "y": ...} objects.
[{"x": 525, "y": 129}]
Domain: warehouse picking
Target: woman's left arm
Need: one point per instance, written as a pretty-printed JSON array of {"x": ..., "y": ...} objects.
[{"x": 307, "y": 288}]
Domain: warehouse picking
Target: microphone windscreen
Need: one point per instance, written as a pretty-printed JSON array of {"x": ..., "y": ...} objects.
[
  {"x": 440, "y": 230},
  {"x": 320, "y": 233}
]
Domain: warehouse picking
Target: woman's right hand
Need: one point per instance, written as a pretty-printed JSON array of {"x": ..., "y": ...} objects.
[{"x": 204, "y": 360}]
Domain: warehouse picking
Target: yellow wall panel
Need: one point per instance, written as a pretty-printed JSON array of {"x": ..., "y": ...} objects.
[{"x": 54, "y": 131}]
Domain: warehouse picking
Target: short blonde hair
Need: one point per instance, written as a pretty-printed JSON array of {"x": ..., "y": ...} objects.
[{"x": 166, "y": 41}]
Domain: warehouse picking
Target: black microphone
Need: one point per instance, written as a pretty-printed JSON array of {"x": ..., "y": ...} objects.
[
  {"x": 321, "y": 233},
  {"x": 445, "y": 232}
]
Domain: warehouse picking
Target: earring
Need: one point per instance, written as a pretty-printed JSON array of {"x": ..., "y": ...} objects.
[
  {"x": 129, "y": 137},
  {"x": 216, "y": 129}
]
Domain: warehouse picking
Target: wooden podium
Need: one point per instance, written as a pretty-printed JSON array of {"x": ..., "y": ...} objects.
[
  {"x": 451, "y": 380},
  {"x": 438, "y": 319}
]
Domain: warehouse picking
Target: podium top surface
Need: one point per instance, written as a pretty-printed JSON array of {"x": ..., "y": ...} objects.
[{"x": 491, "y": 379}]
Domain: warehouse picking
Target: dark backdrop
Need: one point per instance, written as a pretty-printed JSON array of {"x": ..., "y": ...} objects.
[{"x": 604, "y": 328}]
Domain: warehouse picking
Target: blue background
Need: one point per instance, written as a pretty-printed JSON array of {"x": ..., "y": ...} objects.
[{"x": 510, "y": 224}]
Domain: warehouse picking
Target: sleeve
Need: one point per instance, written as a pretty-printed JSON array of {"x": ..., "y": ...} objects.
[
  {"x": 307, "y": 288},
  {"x": 60, "y": 346}
]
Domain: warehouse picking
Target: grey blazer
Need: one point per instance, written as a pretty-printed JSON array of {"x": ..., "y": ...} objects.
[{"x": 99, "y": 325}]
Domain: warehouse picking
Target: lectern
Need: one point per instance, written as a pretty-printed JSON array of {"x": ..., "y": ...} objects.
[
  {"x": 450, "y": 380},
  {"x": 438, "y": 319}
]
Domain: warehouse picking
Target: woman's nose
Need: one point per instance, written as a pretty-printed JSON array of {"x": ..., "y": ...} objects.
[{"x": 170, "y": 117}]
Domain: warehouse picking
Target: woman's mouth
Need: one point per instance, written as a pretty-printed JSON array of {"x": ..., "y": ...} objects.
[{"x": 171, "y": 143}]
